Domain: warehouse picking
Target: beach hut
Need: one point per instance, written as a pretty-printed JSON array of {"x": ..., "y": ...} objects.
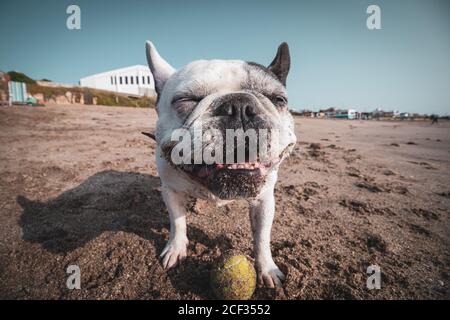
[{"x": 17, "y": 92}]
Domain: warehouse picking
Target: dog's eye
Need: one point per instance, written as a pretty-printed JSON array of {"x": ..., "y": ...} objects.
[
  {"x": 184, "y": 105},
  {"x": 279, "y": 101},
  {"x": 185, "y": 99},
  {"x": 182, "y": 99}
]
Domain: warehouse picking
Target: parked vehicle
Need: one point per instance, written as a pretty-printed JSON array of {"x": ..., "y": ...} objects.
[{"x": 346, "y": 114}]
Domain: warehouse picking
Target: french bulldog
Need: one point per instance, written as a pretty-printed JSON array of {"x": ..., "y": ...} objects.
[{"x": 222, "y": 94}]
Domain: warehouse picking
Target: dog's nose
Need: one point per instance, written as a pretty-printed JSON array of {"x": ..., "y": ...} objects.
[
  {"x": 238, "y": 110},
  {"x": 241, "y": 106}
]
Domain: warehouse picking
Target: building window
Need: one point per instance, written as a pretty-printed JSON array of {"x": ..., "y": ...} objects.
[
  {"x": 120, "y": 80},
  {"x": 143, "y": 80},
  {"x": 126, "y": 80},
  {"x": 137, "y": 80},
  {"x": 132, "y": 80},
  {"x": 115, "y": 79},
  {"x": 112, "y": 81},
  {"x": 148, "y": 79}
]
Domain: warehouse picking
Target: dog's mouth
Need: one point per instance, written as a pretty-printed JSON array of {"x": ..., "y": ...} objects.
[
  {"x": 250, "y": 169},
  {"x": 235, "y": 180}
]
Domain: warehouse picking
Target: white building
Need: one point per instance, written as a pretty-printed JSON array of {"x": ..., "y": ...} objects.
[{"x": 135, "y": 80}]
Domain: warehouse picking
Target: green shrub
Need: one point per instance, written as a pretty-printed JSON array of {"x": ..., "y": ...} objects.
[{"x": 20, "y": 77}]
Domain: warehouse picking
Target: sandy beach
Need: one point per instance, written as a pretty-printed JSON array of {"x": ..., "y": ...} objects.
[{"x": 78, "y": 186}]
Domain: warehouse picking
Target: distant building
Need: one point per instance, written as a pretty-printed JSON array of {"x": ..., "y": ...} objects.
[
  {"x": 329, "y": 113},
  {"x": 306, "y": 113},
  {"x": 136, "y": 80},
  {"x": 365, "y": 115},
  {"x": 381, "y": 114}
]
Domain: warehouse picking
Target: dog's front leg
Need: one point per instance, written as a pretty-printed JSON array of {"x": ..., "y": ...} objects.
[
  {"x": 175, "y": 250},
  {"x": 262, "y": 211}
]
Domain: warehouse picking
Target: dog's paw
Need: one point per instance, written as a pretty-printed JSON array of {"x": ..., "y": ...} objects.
[
  {"x": 174, "y": 252},
  {"x": 269, "y": 275}
]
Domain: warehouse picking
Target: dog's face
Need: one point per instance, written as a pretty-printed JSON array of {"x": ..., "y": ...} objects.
[{"x": 220, "y": 97}]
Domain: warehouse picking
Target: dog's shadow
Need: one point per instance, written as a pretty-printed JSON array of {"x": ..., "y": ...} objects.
[{"x": 110, "y": 201}]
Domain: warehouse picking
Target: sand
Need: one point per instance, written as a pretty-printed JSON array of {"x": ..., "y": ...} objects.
[{"x": 78, "y": 186}]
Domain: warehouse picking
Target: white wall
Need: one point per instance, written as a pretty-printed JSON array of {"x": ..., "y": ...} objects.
[{"x": 136, "y": 80}]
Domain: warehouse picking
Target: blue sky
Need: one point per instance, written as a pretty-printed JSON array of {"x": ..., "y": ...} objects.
[{"x": 336, "y": 60}]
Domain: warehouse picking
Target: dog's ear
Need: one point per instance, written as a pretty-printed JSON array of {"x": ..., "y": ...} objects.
[
  {"x": 281, "y": 63},
  {"x": 159, "y": 67}
]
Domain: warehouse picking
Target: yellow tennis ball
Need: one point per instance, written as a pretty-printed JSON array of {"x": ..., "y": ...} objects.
[{"x": 234, "y": 278}]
